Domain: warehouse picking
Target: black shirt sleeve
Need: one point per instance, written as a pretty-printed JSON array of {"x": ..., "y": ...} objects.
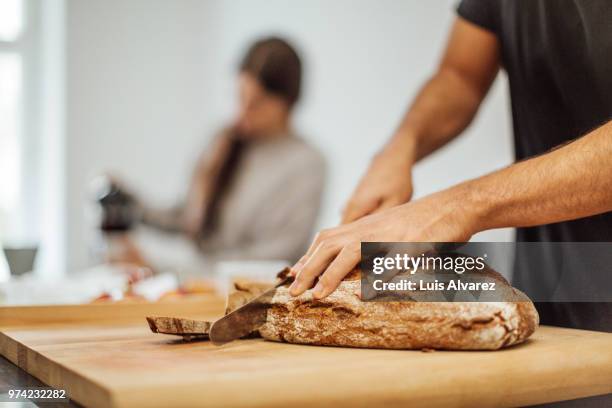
[{"x": 483, "y": 13}]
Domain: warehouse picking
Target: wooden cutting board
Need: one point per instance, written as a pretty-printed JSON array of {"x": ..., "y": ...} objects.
[
  {"x": 127, "y": 365},
  {"x": 110, "y": 313}
]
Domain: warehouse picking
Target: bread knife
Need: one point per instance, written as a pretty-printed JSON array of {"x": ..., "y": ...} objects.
[{"x": 246, "y": 318}]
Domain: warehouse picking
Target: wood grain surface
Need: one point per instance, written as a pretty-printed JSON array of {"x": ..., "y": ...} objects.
[
  {"x": 110, "y": 313},
  {"x": 104, "y": 365}
]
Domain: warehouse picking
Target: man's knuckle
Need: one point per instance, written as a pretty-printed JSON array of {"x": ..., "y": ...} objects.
[
  {"x": 324, "y": 280},
  {"x": 329, "y": 281},
  {"x": 327, "y": 233},
  {"x": 328, "y": 245},
  {"x": 306, "y": 274},
  {"x": 320, "y": 237},
  {"x": 354, "y": 248}
]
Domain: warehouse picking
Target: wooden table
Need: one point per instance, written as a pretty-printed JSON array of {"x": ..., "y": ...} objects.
[{"x": 116, "y": 365}]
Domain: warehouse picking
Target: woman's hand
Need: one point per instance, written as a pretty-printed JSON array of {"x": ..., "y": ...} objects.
[
  {"x": 386, "y": 184},
  {"x": 447, "y": 216}
]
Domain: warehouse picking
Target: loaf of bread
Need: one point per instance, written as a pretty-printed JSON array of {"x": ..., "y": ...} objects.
[{"x": 343, "y": 319}]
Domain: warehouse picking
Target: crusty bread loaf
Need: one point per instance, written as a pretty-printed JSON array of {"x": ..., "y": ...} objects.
[{"x": 343, "y": 319}]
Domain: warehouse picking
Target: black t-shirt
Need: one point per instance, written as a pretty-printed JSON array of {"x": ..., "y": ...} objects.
[{"x": 558, "y": 57}]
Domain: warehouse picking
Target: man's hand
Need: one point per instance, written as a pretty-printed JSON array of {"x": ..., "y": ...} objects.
[
  {"x": 531, "y": 192},
  {"x": 386, "y": 184},
  {"x": 442, "y": 217},
  {"x": 443, "y": 108}
]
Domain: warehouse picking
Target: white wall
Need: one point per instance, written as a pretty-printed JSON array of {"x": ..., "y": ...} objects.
[
  {"x": 136, "y": 99},
  {"x": 149, "y": 80}
]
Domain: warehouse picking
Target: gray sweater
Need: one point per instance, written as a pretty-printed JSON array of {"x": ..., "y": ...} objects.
[{"x": 271, "y": 207}]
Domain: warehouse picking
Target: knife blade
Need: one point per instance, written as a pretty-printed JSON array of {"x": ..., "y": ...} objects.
[{"x": 246, "y": 318}]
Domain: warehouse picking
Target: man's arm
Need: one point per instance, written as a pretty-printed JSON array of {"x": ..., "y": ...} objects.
[
  {"x": 570, "y": 182},
  {"x": 444, "y": 107},
  {"x": 450, "y": 99}
]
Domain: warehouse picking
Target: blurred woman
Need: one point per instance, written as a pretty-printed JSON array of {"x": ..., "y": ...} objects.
[{"x": 255, "y": 192}]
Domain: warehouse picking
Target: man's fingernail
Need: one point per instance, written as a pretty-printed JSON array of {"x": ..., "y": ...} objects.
[{"x": 318, "y": 290}]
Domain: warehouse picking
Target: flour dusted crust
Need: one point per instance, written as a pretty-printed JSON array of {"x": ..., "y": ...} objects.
[{"x": 342, "y": 319}]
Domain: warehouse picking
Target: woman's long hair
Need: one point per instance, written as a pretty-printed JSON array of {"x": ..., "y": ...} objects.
[{"x": 278, "y": 68}]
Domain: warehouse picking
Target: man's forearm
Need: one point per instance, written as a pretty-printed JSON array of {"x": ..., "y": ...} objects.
[
  {"x": 447, "y": 103},
  {"x": 444, "y": 107},
  {"x": 569, "y": 182}
]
